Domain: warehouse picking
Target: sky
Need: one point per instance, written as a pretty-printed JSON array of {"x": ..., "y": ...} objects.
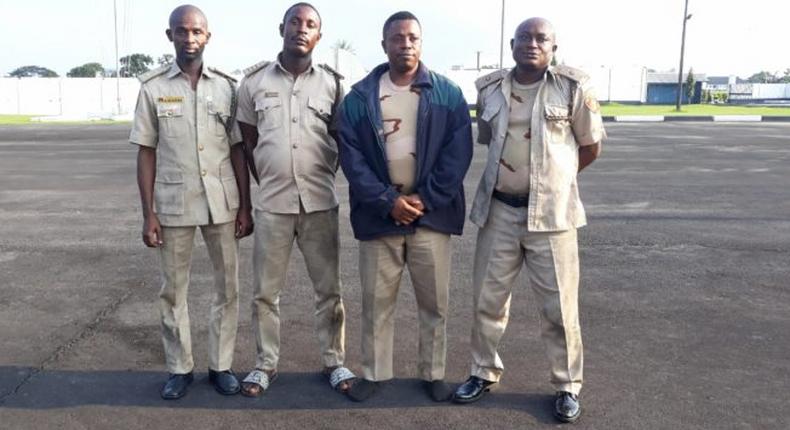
[{"x": 724, "y": 37}]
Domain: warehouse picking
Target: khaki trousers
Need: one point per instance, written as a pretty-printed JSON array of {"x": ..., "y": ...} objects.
[
  {"x": 316, "y": 235},
  {"x": 552, "y": 263},
  {"x": 381, "y": 263},
  {"x": 176, "y": 260}
]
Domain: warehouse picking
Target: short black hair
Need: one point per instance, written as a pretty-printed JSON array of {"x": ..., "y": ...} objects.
[
  {"x": 303, "y": 4},
  {"x": 398, "y": 16}
]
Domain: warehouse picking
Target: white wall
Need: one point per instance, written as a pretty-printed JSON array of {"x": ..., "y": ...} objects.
[
  {"x": 67, "y": 96},
  {"x": 621, "y": 83},
  {"x": 771, "y": 91}
]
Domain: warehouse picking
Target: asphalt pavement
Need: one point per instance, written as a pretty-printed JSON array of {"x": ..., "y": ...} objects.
[{"x": 685, "y": 298}]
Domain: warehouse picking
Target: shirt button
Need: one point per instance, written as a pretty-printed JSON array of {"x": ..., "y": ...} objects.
[
  {"x": 293, "y": 120},
  {"x": 294, "y": 146},
  {"x": 203, "y": 172},
  {"x": 200, "y": 148}
]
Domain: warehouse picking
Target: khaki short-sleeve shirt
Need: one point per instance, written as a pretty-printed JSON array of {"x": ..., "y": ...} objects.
[
  {"x": 566, "y": 116},
  {"x": 195, "y": 181},
  {"x": 295, "y": 156}
]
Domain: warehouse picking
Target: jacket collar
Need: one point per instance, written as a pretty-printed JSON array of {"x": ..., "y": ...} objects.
[{"x": 370, "y": 83}]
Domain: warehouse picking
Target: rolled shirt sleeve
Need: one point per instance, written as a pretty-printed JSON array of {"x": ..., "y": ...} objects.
[
  {"x": 245, "y": 112},
  {"x": 587, "y": 121},
  {"x": 146, "y": 124}
]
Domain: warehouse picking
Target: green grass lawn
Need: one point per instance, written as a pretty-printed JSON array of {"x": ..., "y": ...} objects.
[
  {"x": 15, "y": 119},
  {"x": 616, "y": 109}
]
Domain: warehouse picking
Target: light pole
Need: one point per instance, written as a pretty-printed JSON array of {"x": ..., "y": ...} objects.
[
  {"x": 686, "y": 17},
  {"x": 502, "y": 36},
  {"x": 117, "y": 69}
]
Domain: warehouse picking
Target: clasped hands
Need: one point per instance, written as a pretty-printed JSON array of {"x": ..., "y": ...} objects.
[{"x": 407, "y": 209}]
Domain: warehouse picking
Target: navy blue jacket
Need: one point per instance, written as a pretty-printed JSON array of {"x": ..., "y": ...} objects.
[{"x": 444, "y": 151}]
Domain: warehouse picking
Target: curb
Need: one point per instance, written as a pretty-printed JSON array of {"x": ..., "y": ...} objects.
[{"x": 695, "y": 118}]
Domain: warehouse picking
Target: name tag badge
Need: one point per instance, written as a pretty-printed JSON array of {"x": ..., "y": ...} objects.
[
  {"x": 169, "y": 109},
  {"x": 271, "y": 94}
]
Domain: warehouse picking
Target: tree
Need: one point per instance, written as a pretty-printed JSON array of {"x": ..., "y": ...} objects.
[
  {"x": 344, "y": 45},
  {"x": 165, "y": 59},
  {"x": 87, "y": 70},
  {"x": 33, "y": 71},
  {"x": 135, "y": 64},
  {"x": 763, "y": 77},
  {"x": 786, "y": 78},
  {"x": 691, "y": 85}
]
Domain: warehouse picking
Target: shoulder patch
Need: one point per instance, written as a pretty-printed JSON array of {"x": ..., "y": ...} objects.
[
  {"x": 147, "y": 76},
  {"x": 491, "y": 78},
  {"x": 570, "y": 72},
  {"x": 223, "y": 74},
  {"x": 331, "y": 71},
  {"x": 254, "y": 68}
]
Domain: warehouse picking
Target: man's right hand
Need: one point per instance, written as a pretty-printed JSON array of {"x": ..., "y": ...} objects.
[
  {"x": 403, "y": 212},
  {"x": 152, "y": 232}
]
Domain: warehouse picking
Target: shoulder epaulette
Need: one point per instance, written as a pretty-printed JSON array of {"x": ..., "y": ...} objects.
[
  {"x": 223, "y": 74},
  {"x": 254, "y": 68},
  {"x": 331, "y": 71},
  {"x": 490, "y": 78},
  {"x": 571, "y": 73},
  {"x": 147, "y": 76}
]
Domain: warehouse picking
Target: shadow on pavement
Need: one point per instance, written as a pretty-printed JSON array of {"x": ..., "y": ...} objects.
[{"x": 291, "y": 391}]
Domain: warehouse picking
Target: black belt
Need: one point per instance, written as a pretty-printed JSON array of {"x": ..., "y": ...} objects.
[{"x": 514, "y": 200}]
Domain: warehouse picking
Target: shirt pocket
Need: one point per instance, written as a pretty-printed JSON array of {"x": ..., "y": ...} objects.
[
  {"x": 270, "y": 112},
  {"x": 557, "y": 123},
  {"x": 218, "y": 116},
  {"x": 171, "y": 118},
  {"x": 169, "y": 193},
  {"x": 229, "y": 186},
  {"x": 320, "y": 113}
]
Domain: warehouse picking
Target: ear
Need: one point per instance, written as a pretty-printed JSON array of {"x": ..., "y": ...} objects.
[
  {"x": 554, "y": 48},
  {"x": 208, "y": 36},
  {"x": 169, "y": 34},
  {"x": 383, "y": 47},
  {"x": 511, "y": 43},
  {"x": 282, "y": 28},
  {"x": 320, "y": 35}
]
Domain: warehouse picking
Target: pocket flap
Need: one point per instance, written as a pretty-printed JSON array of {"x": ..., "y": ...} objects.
[
  {"x": 169, "y": 177},
  {"x": 321, "y": 107},
  {"x": 268, "y": 104}
]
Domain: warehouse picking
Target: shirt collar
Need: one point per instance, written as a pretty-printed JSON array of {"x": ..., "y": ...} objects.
[
  {"x": 284, "y": 70},
  {"x": 175, "y": 71}
]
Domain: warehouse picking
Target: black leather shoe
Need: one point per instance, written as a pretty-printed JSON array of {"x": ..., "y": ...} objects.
[
  {"x": 224, "y": 382},
  {"x": 567, "y": 408},
  {"x": 471, "y": 390},
  {"x": 176, "y": 386}
]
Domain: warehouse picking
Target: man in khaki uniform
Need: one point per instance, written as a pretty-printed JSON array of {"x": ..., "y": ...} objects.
[
  {"x": 191, "y": 174},
  {"x": 542, "y": 125},
  {"x": 286, "y": 114}
]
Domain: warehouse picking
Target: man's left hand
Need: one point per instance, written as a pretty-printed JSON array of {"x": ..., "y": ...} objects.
[{"x": 244, "y": 224}]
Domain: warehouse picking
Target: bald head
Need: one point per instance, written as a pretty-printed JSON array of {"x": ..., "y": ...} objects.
[
  {"x": 178, "y": 15},
  {"x": 537, "y": 21},
  {"x": 189, "y": 33},
  {"x": 533, "y": 45}
]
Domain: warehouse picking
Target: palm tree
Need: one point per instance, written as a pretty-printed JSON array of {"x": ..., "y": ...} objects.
[{"x": 344, "y": 45}]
